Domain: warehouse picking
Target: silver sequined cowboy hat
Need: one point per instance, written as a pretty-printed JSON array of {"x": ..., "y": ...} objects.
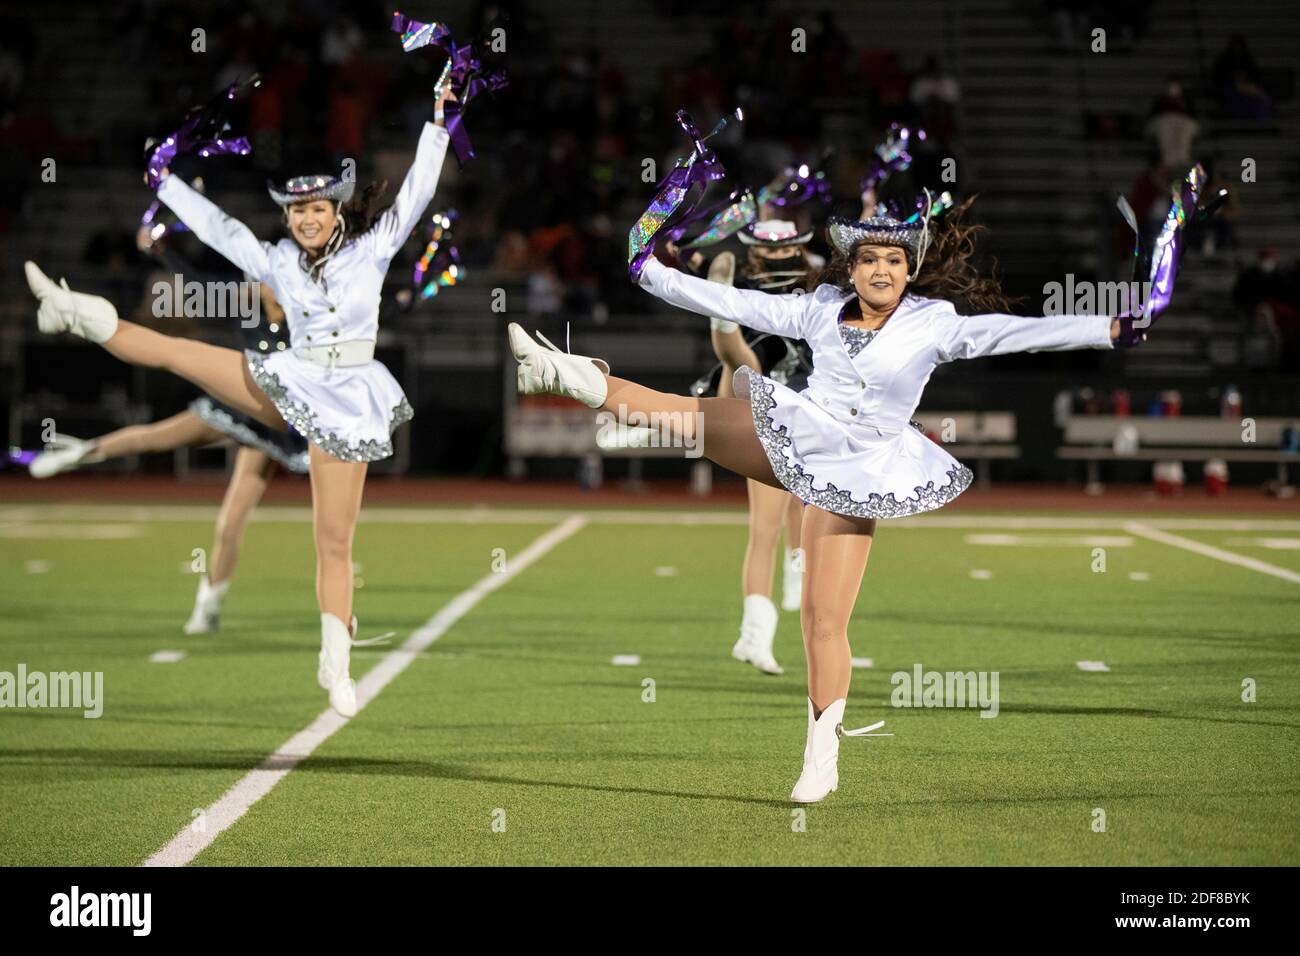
[
  {"x": 844, "y": 234},
  {"x": 310, "y": 188}
]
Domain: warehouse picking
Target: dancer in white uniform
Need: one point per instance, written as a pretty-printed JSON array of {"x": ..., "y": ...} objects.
[
  {"x": 878, "y": 325},
  {"x": 329, "y": 387}
]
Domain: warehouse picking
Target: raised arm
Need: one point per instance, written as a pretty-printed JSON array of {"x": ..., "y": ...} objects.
[
  {"x": 975, "y": 336},
  {"x": 761, "y": 311},
  {"x": 392, "y": 227},
  {"x": 215, "y": 229}
]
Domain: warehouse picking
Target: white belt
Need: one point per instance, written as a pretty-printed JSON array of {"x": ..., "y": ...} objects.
[{"x": 338, "y": 355}]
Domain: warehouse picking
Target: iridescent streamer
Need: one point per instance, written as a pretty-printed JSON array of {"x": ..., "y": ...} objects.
[
  {"x": 728, "y": 222},
  {"x": 158, "y": 229},
  {"x": 439, "y": 265},
  {"x": 699, "y": 169},
  {"x": 724, "y": 220},
  {"x": 1169, "y": 246},
  {"x": 416, "y": 34},
  {"x": 795, "y": 186},
  {"x": 940, "y": 204},
  {"x": 891, "y": 155},
  {"x": 1130, "y": 217},
  {"x": 685, "y": 223},
  {"x": 463, "y": 73},
  {"x": 204, "y": 131}
]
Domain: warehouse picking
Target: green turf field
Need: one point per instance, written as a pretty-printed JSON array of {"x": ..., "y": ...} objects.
[{"x": 517, "y": 717}]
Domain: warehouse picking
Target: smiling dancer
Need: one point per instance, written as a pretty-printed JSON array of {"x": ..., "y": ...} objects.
[
  {"x": 329, "y": 386},
  {"x": 883, "y": 317}
]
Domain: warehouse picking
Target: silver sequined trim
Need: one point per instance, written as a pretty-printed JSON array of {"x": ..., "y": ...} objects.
[
  {"x": 776, "y": 440},
  {"x": 216, "y": 417},
  {"x": 856, "y": 339},
  {"x": 303, "y": 419}
]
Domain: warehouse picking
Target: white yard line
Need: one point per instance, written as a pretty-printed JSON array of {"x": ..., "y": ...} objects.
[
  {"x": 236, "y": 801},
  {"x": 1209, "y": 551}
]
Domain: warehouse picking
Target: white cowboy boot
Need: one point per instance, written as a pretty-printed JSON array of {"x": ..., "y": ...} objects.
[
  {"x": 550, "y": 370},
  {"x": 332, "y": 675},
  {"x": 64, "y": 453},
  {"x": 62, "y": 310},
  {"x": 792, "y": 579},
  {"x": 206, "y": 616},
  {"x": 821, "y": 755},
  {"x": 757, "y": 631}
]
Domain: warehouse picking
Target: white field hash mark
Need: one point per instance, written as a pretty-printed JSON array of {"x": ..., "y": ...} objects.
[
  {"x": 1209, "y": 551},
  {"x": 1272, "y": 544},
  {"x": 257, "y": 783}
]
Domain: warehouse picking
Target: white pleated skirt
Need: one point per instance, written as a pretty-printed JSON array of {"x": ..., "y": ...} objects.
[
  {"x": 848, "y": 470},
  {"x": 349, "y": 413}
]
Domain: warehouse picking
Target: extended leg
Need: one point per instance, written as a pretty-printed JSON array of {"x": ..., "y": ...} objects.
[
  {"x": 722, "y": 428},
  {"x": 179, "y": 431},
  {"x": 220, "y": 372},
  {"x": 67, "y": 453},
  {"x": 725, "y": 426}
]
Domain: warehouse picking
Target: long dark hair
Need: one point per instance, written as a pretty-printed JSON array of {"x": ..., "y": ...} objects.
[
  {"x": 362, "y": 210},
  {"x": 946, "y": 273}
]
